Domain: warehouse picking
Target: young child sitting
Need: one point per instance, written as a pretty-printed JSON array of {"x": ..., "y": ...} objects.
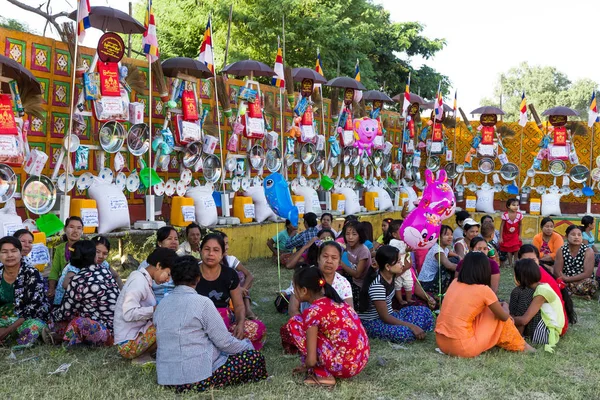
[
  {"x": 405, "y": 279},
  {"x": 545, "y": 301},
  {"x": 279, "y": 240},
  {"x": 329, "y": 335}
]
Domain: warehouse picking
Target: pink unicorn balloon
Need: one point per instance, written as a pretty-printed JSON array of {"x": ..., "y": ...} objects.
[
  {"x": 438, "y": 196},
  {"x": 365, "y": 130},
  {"x": 420, "y": 229}
]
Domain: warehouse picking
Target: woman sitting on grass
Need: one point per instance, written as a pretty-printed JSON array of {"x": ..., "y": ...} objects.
[
  {"x": 23, "y": 303},
  {"x": 574, "y": 264},
  {"x": 309, "y": 252},
  {"x": 88, "y": 307},
  {"x": 437, "y": 268},
  {"x": 62, "y": 253},
  {"x": 329, "y": 335},
  {"x": 221, "y": 284},
  {"x": 471, "y": 319},
  {"x": 245, "y": 276},
  {"x": 356, "y": 260},
  {"x": 102, "y": 250},
  {"x": 135, "y": 335},
  {"x": 545, "y": 303},
  {"x": 329, "y": 255},
  {"x": 195, "y": 350},
  {"x": 479, "y": 245},
  {"x": 376, "y": 313}
]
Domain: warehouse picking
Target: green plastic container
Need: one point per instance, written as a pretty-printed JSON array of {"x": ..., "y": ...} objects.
[
  {"x": 326, "y": 182},
  {"x": 50, "y": 224},
  {"x": 149, "y": 177}
]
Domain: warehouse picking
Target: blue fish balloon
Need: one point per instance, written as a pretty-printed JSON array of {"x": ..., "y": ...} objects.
[{"x": 279, "y": 198}]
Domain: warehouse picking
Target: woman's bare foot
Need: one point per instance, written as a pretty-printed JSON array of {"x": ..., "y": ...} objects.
[
  {"x": 325, "y": 382},
  {"x": 528, "y": 348},
  {"x": 402, "y": 303},
  {"x": 144, "y": 359}
]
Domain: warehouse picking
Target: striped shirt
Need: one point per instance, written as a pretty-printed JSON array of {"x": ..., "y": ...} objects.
[{"x": 379, "y": 290}]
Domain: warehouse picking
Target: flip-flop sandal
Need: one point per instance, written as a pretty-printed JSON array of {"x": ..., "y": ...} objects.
[
  {"x": 312, "y": 380},
  {"x": 47, "y": 336}
]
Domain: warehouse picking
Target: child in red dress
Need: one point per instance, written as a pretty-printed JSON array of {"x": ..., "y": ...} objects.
[
  {"x": 510, "y": 230},
  {"x": 328, "y": 334}
]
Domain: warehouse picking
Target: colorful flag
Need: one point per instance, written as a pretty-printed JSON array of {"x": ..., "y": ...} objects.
[
  {"x": 439, "y": 103},
  {"x": 278, "y": 79},
  {"x": 149, "y": 41},
  {"x": 523, "y": 110},
  {"x": 319, "y": 65},
  {"x": 83, "y": 19},
  {"x": 406, "y": 103},
  {"x": 206, "y": 53},
  {"x": 593, "y": 112},
  {"x": 454, "y": 108},
  {"x": 357, "y": 71}
]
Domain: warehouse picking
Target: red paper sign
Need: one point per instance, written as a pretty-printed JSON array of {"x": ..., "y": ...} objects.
[
  {"x": 487, "y": 135},
  {"x": 8, "y": 126},
  {"x": 560, "y": 136},
  {"x": 189, "y": 106},
  {"x": 109, "y": 79},
  {"x": 307, "y": 117},
  {"x": 254, "y": 109},
  {"x": 411, "y": 128},
  {"x": 436, "y": 136}
]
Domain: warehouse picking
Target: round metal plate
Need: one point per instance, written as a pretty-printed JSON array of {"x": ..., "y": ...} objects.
[
  {"x": 596, "y": 174},
  {"x": 257, "y": 156},
  {"x": 192, "y": 154},
  {"x": 112, "y": 136},
  {"x": 273, "y": 160},
  {"x": 39, "y": 194},
  {"x": 509, "y": 171},
  {"x": 320, "y": 161},
  {"x": 557, "y": 168},
  {"x": 486, "y": 166},
  {"x": 8, "y": 183},
  {"x": 308, "y": 153},
  {"x": 433, "y": 163},
  {"x": 138, "y": 139},
  {"x": 579, "y": 173},
  {"x": 451, "y": 170},
  {"x": 211, "y": 168}
]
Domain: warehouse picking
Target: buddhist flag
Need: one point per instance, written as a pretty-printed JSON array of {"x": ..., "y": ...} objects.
[
  {"x": 593, "y": 112},
  {"x": 319, "y": 65},
  {"x": 439, "y": 103},
  {"x": 206, "y": 53},
  {"x": 149, "y": 41},
  {"x": 278, "y": 80},
  {"x": 406, "y": 103},
  {"x": 357, "y": 71},
  {"x": 83, "y": 19},
  {"x": 319, "y": 68},
  {"x": 523, "y": 111},
  {"x": 454, "y": 107}
]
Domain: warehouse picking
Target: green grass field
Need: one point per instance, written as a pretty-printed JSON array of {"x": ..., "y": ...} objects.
[{"x": 410, "y": 372}]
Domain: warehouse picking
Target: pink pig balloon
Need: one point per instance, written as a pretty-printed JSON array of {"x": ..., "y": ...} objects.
[
  {"x": 420, "y": 229},
  {"x": 438, "y": 196},
  {"x": 365, "y": 130}
]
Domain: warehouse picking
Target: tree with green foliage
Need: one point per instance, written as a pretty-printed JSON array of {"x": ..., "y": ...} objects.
[
  {"x": 343, "y": 30},
  {"x": 15, "y": 25},
  {"x": 544, "y": 87}
]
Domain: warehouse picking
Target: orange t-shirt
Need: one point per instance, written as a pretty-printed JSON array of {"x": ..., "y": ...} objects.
[{"x": 462, "y": 304}]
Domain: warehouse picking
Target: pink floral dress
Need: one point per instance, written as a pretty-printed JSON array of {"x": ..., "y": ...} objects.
[{"x": 342, "y": 343}]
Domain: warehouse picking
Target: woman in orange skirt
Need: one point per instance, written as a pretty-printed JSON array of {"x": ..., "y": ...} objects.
[{"x": 471, "y": 319}]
